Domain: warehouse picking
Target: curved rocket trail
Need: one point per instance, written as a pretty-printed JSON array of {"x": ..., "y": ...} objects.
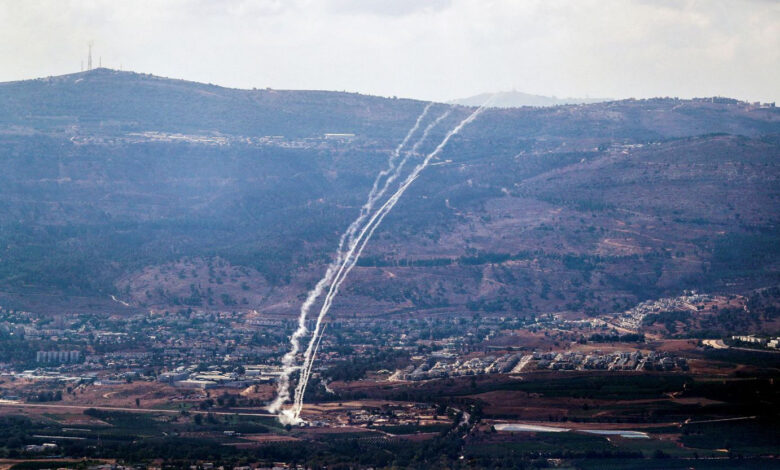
[
  {"x": 288, "y": 360},
  {"x": 293, "y": 415},
  {"x": 307, "y": 361}
]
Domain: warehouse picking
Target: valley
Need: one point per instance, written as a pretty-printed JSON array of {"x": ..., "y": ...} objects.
[{"x": 580, "y": 286}]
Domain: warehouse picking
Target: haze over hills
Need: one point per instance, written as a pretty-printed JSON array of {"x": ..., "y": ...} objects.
[
  {"x": 517, "y": 99},
  {"x": 267, "y": 274},
  {"x": 172, "y": 194}
]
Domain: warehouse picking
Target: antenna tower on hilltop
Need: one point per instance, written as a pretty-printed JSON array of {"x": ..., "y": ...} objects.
[{"x": 89, "y": 56}]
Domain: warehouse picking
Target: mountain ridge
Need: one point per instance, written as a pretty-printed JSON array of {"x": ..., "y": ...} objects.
[{"x": 149, "y": 189}]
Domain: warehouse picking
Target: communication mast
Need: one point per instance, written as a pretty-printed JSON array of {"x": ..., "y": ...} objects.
[{"x": 89, "y": 56}]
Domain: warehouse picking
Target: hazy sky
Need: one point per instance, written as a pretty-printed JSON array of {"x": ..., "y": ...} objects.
[{"x": 437, "y": 49}]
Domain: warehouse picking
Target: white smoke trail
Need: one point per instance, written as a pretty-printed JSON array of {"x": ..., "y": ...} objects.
[
  {"x": 373, "y": 195},
  {"x": 413, "y": 151},
  {"x": 351, "y": 259},
  {"x": 288, "y": 360},
  {"x": 353, "y": 242}
]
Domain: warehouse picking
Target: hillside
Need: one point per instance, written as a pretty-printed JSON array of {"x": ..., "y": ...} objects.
[
  {"x": 517, "y": 99},
  {"x": 170, "y": 194},
  {"x": 109, "y": 102}
]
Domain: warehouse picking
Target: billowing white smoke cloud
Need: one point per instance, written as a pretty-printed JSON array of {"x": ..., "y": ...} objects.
[{"x": 336, "y": 273}]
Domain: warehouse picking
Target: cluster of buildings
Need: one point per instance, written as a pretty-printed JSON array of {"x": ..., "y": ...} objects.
[
  {"x": 38, "y": 448},
  {"x": 201, "y": 466},
  {"x": 82, "y": 342},
  {"x": 391, "y": 415},
  {"x": 443, "y": 368},
  {"x": 57, "y": 357},
  {"x": 772, "y": 343},
  {"x": 519, "y": 362},
  {"x": 155, "y": 136},
  {"x": 615, "y": 361},
  {"x": 220, "y": 139},
  {"x": 210, "y": 349},
  {"x": 195, "y": 378},
  {"x": 632, "y": 319}
]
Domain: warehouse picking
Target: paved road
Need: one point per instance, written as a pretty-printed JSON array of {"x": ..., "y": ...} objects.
[
  {"x": 741, "y": 418},
  {"x": 130, "y": 410}
]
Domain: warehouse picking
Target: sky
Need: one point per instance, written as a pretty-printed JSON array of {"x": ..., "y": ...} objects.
[{"x": 433, "y": 50}]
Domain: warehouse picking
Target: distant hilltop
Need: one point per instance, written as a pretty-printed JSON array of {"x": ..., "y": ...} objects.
[{"x": 516, "y": 99}]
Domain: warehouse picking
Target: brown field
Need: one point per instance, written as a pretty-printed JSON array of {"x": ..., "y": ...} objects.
[
  {"x": 269, "y": 438},
  {"x": 8, "y": 463}
]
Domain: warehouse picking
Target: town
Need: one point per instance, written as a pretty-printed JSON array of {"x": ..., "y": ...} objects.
[{"x": 199, "y": 349}]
